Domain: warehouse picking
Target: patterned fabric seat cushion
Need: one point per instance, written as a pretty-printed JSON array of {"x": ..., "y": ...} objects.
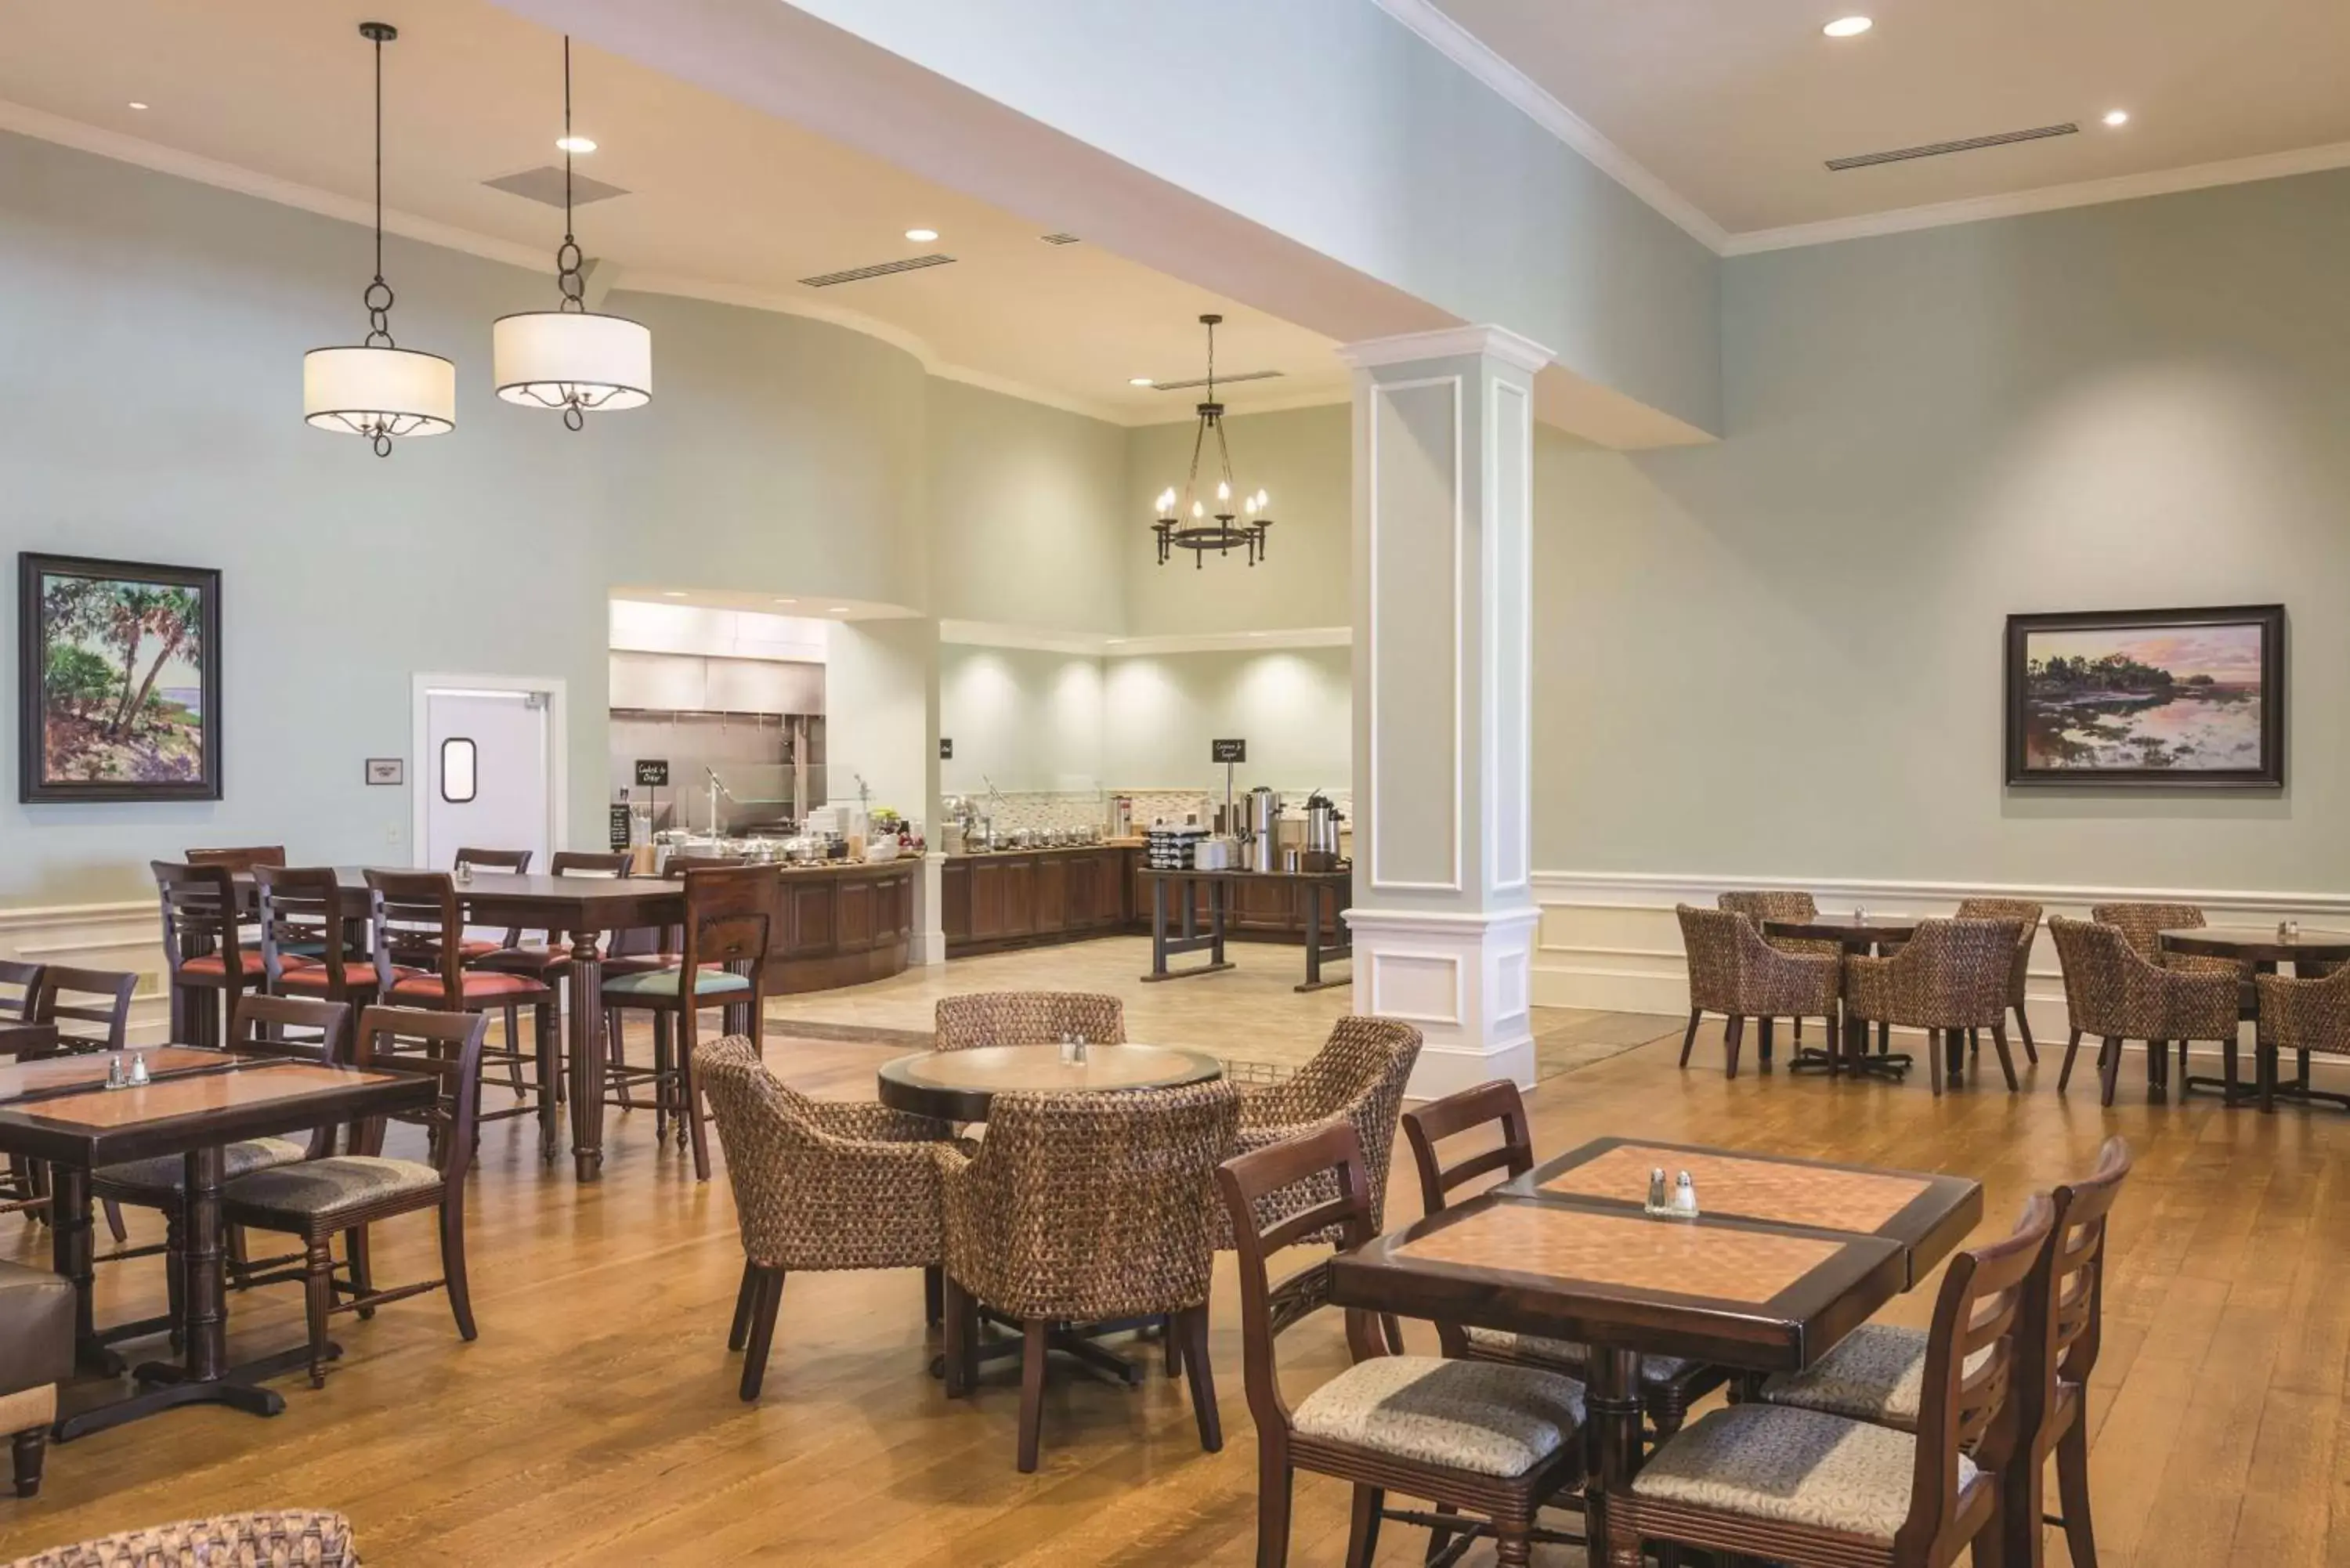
[
  {"x": 1478, "y": 1415},
  {"x": 1797, "y": 1467},
  {"x": 480, "y": 985},
  {"x": 310, "y": 974},
  {"x": 215, "y": 966},
  {"x": 530, "y": 958},
  {"x": 663, "y": 983},
  {"x": 1503, "y": 1342},
  {"x": 166, "y": 1174},
  {"x": 1876, "y": 1373},
  {"x": 315, "y": 1187}
]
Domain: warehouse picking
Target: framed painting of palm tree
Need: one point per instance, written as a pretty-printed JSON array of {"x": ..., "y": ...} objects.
[{"x": 118, "y": 680}]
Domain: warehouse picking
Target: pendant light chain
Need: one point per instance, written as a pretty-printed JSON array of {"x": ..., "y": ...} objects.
[
  {"x": 568, "y": 258},
  {"x": 377, "y": 297}
]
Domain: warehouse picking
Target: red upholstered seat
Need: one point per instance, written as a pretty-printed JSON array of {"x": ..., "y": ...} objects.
[
  {"x": 480, "y": 985},
  {"x": 309, "y": 974},
  {"x": 472, "y": 948},
  {"x": 531, "y": 957},
  {"x": 215, "y": 966}
]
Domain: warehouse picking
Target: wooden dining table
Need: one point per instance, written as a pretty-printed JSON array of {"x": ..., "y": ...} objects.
[
  {"x": 957, "y": 1086},
  {"x": 1786, "y": 1257},
  {"x": 2263, "y": 949},
  {"x": 1860, "y": 936},
  {"x": 199, "y": 1102},
  {"x": 582, "y": 909}
]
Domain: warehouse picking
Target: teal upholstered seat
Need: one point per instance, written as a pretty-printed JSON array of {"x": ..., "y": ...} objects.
[{"x": 659, "y": 982}]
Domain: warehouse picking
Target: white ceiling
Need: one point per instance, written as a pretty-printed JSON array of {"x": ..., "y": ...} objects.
[
  {"x": 1734, "y": 106},
  {"x": 724, "y": 202}
]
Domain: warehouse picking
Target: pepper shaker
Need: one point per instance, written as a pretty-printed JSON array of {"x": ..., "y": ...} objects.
[
  {"x": 1657, "y": 1202},
  {"x": 114, "y": 1078}
]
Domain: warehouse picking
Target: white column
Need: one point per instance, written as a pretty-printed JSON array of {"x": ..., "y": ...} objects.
[
  {"x": 1444, "y": 918},
  {"x": 881, "y": 720}
]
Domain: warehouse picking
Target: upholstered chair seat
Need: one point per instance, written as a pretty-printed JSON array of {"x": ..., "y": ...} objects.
[
  {"x": 165, "y": 1174},
  {"x": 1876, "y": 1373},
  {"x": 1477, "y": 1415},
  {"x": 1794, "y": 1467},
  {"x": 707, "y": 981},
  {"x": 320, "y": 1189}
]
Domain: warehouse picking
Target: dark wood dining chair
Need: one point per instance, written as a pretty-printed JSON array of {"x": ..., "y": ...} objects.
[
  {"x": 344, "y": 1194},
  {"x": 211, "y": 956},
  {"x": 24, "y": 1188},
  {"x": 1813, "y": 1490},
  {"x": 497, "y": 863},
  {"x": 419, "y": 960},
  {"x": 239, "y": 859},
  {"x": 546, "y": 955},
  {"x": 312, "y": 935},
  {"x": 729, "y": 911},
  {"x": 1481, "y": 1438},
  {"x": 90, "y": 1007},
  {"x": 1669, "y": 1385}
]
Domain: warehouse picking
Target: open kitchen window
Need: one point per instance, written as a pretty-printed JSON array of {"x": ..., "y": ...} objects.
[{"x": 457, "y": 780}]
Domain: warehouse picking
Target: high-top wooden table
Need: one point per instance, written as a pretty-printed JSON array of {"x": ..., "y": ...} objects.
[
  {"x": 1336, "y": 888},
  {"x": 1566, "y": 1252},
  {"x": 196, "y": 1111}
]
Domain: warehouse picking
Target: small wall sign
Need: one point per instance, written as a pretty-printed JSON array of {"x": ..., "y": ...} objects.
[
  {"x": 620, "y": 829},
  {"x": 946, "y": 750},
  {"x": 652, "y": 771},
  {"x": 1227, "y": 751},
  {"x": 387, "y": 770}
]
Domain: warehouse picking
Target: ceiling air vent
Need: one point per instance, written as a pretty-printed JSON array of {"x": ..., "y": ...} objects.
[
  {"x": 1058, "y": 239},
  {"x": 878, "y": 269},
  {"x": 1938, "y": 149},
  {"x": 546, "y": 185},
  {"x": 1220, "y": 381}
]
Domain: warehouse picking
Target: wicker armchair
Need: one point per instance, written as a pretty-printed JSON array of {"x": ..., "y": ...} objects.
[
  {"x": 1028, "y": 1018},
  {"x": 2026, "y": 916},
  {"x": 313, "y": 1538},
  {"x": 1949, "y": 977},
  {"x": 1733, "y": 972},
  {"x": 1778, "y": 904},
  {"x": 1081, "y": 1209},
  {"x": 2117, "y": 993},
  {"x": 2143, "y": 924},
  {"x": 817, "y": 1185},
  {"x": 2303, "y": 1016},
  {"x": 1359, "y": 1075}
]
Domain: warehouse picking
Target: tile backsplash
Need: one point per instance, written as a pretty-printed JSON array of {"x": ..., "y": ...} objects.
[{"x": 1030, "y": 810}]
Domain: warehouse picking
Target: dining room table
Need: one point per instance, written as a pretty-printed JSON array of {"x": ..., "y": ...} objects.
[
  {"x": 581, "y": 910},
  {"x": 1861, "y": 935},
  {"x": 1784, "y": 1258},
  {"x": 957, "y": 1086},
  {"x": 2262, "y": 949},
  {"x": 196, "y": 1102}
]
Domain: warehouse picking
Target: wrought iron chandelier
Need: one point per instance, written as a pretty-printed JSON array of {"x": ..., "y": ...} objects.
[
  {"x": 376, "y": 388},
  {"x": 571, "y": 358},
  {"x": 1185, "y": 520}
]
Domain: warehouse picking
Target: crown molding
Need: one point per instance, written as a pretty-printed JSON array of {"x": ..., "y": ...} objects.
[
  {"x": 1448, "y": 343},
  {"x": 1102, "y": 645},
  {"x": 1464, "y": 48},
  {"x": 2047, "y": 199}
]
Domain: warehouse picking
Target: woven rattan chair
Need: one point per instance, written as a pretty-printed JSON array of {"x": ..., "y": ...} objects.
[
  {"x": 1028, "y": 1018},
  {"x": 2115, "y": 992},
  {"x": 1477, "y": 1439},
  {"x": 1082, "y": 1209},
  {"x": 819, "y": 1185},
  {"x": 1360, "y": 1075},
  {"x": 1669, "y": 1383},
  {"x": 1816, "y": 1490},
  {"x": 1878, "y": 1373},
  {"x": 1779, "y": 904},
  {"x": 1733, "y": 972},
  {"x": 2303, "y": 1016},
  {"x": 2027, "y": 915},
  {"x": 289, "y": 1536},
  {"x": 1950, "y": 977}
]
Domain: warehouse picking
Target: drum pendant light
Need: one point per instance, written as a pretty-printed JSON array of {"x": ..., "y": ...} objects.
[
  {"x": 376, "y": 388},
  {"x": 571, "y": 358}
]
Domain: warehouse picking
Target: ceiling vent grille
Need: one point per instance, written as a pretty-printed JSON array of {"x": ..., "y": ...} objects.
[
  {"x": 1220, "y": 381},
  {"x": 878, "y": 269},
  {"x": 1058, "y": 239},
  {"x": 546, "y": 185},
  {"x": 1939, "y": 149}
]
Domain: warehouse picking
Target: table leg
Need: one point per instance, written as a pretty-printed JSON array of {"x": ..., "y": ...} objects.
[
  {"x": 1612, "y": 1406},
  {"x": 1159, "y": 928},
  {"x": 1312, "y": 933},
  {"x": 586, "y": 985},
  {"x": 1219, "y": 894},
  {"x": 72, "y": 1257}
]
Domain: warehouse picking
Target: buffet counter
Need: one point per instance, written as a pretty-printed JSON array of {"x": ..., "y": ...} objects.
[
  {"x": 999, "y": 898},
  {"x": 841, "y": 923}
]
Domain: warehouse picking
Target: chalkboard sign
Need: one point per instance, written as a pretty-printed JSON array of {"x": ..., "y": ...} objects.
[
  {"x": 653, "y": 771},
  {"x": 946, "y": 750},
  {"x": 620, "y": 828},
  {"x": 1227, "y": 751}
]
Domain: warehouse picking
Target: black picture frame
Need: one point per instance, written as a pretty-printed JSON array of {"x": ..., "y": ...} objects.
[
  {"x": 40, "y": 657},
  {"x": 2027, "y": 695}
]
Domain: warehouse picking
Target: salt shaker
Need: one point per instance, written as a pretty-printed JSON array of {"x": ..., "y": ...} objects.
[
  {"x": 1657, "y": 1202},
  {"x": 138, "y": 1068},
  {"x": 1858, "y": 914},
  {"x": 1080, "y": 1057},
  {"x": 1069, "y": 1048},
  {"x": 1685, "y": 1197},
  {"x": 2289, "y": 931}
]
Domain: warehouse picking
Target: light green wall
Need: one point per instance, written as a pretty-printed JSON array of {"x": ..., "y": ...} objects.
[
  {"x": 1021, "y": 719},
  {"x": 1780, "y": 656},
  {"x": 1293, "y": 707}
]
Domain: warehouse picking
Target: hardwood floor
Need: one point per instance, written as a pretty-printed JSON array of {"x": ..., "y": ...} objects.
[{"x": 596, "y": 1420}]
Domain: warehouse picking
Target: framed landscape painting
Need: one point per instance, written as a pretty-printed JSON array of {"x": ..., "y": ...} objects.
[
  {"x": 2163, "y": 698},
  {"x": 118, "y": 680}
]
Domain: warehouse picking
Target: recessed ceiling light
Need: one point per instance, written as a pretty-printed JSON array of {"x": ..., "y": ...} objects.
[
  {"x": 136, "y": 104},
  {"x": 921, "y": 236},
  {"x": 575, "y": 144},
  {"x": 787, "y": 602},
  {"x": 1141, "y": 381},
  {"x": 1848, "y": 27},
  {"x": 837, "y": 609},
  {"x": 672, "y": 593},
  {"x": 2117, "y": 117}
]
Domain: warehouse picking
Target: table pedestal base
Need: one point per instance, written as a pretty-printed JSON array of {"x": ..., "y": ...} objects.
[
  {"x": 168, "y": 1386},
  {"x": 1075, "y": 1340}
]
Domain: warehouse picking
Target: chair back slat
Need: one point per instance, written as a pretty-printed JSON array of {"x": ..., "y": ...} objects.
[
  {"x": 1244, "y": 1181},
  {"x": 1496, "y": 1104},
  {"x": 417, "y": 927},
  {"x": 103, "y": 999},
  {"x": 498, "y": 862},
  {"x": 298, "y": 1030},
  {"x": 614, "y": 867},
  {"x": 448, "y": 1046},
  {"x": 239, "y": 859},
  {"x": 305, "y": 915},
  {"x": 25, "y": 979},
  {"x": 728, "y": 912},
  {"x": 2078, "y": 1286},
  {"x": 201, "y": 916}
]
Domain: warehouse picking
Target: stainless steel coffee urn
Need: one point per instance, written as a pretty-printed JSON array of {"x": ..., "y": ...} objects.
[
  {"x": 1264, "y": 820},
  {"x": 1321, "y": 821}
]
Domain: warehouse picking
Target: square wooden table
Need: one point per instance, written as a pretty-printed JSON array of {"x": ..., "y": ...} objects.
[
  {"x": 1560, "y": 1253},
  {"x": 194, "y": 1114}
]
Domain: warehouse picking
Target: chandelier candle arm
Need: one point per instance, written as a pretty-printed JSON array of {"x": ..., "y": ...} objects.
[
  {"x": 376, "y": 388},
  {"x": 1184, "y": 521},
  {"x": 571, "y": 358}
]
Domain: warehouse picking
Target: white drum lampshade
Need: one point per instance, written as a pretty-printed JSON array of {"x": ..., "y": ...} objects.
[
  {"x": 572, "y": 359},
  {"x": 379, "y": 392}
]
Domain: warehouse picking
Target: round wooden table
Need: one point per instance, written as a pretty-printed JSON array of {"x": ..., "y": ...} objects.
[
  {"x": 956, "y": 1085},
  {"x": 1859, "y": 935},
  {"x": 2260, "y": 946}
]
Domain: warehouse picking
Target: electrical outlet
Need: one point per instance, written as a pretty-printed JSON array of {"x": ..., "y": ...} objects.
[{"x": 391, "y": 832}]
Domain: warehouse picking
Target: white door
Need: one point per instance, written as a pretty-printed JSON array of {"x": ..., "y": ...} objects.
[{"x": 486, "y": 778}]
